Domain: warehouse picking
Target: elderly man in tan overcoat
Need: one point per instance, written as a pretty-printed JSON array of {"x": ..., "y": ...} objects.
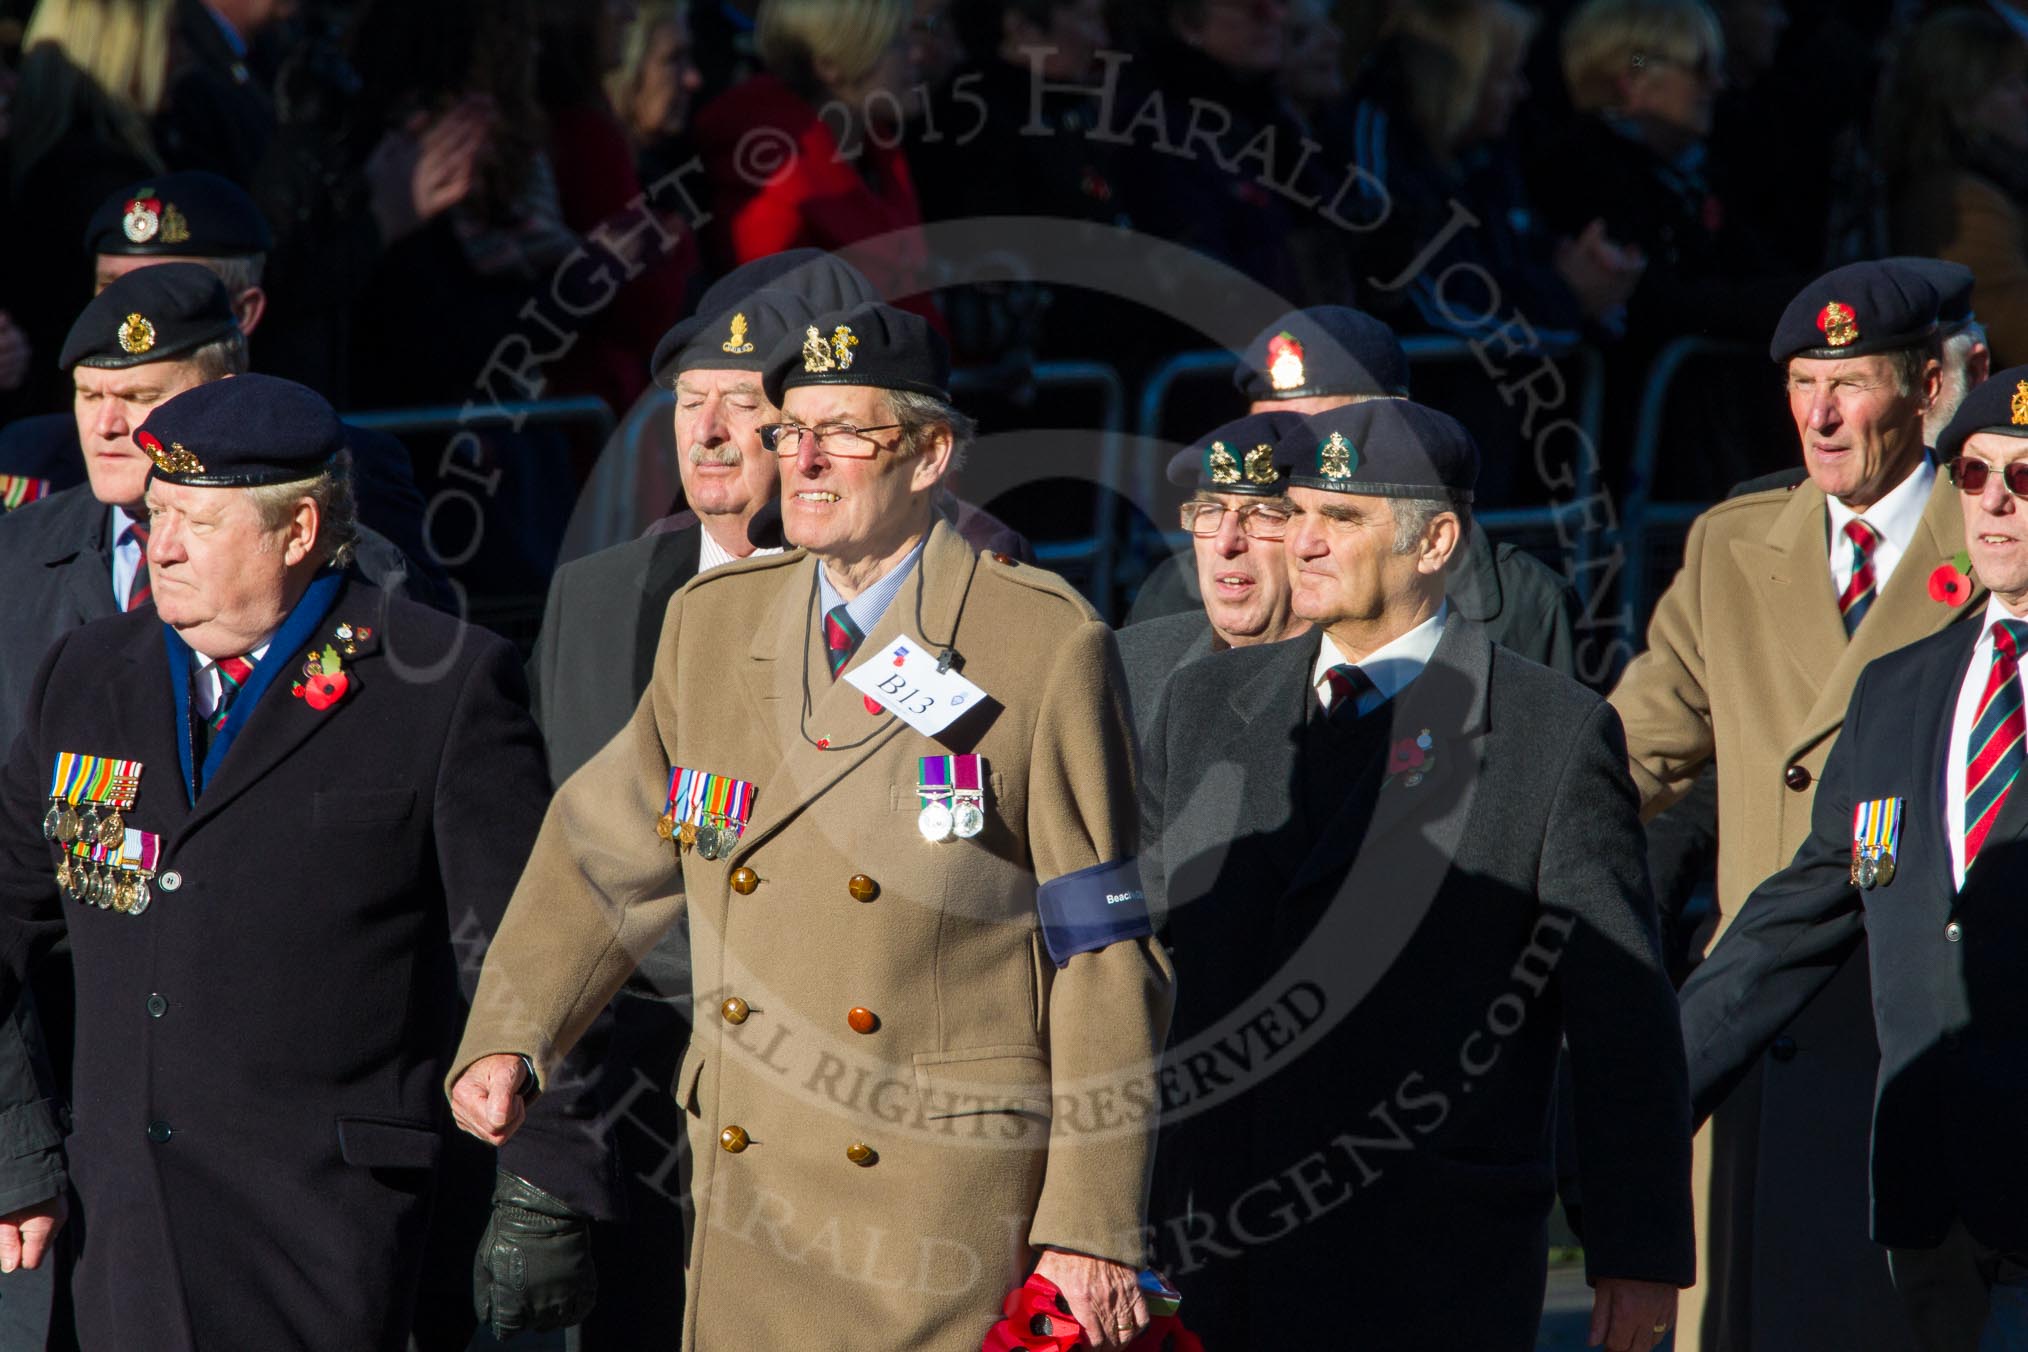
[
  {"x": 1784, "y": 595},
  {"x": 928, "y": 999}
]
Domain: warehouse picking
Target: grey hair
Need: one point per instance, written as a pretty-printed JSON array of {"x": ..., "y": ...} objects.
[
  {"x": 239, "y": 273},
  {"x": 920, "y": 414},
  {"x": 337, "y": 514},
  {"x": 1956, "y": 355},
  {"x": 1413, "y": 515},
  {"x": 220, "y": 358}
]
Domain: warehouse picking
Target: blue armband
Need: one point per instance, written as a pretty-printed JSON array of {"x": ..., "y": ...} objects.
[{"x": 1091, "y": 909}]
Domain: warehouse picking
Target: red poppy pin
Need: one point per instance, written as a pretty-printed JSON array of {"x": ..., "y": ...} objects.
[
  {"x": 1412, "y": 758},
  {"x": 324, "y": 680},
  {"x": 1951, "y": 583}
]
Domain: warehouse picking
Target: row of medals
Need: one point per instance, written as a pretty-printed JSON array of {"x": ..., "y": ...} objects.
[
  {"x": 942, "y": 820},
  {"x": 712, "y": 839},
  {"x": 1872, "y": 866},
  {"x": 65, "y": 825},
  {"x": 104, "y": 885}
]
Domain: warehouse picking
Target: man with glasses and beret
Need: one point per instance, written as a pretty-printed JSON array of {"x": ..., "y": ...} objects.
[
  {"x": 889, "y": 781},
  {"x": 1399, "y": 867},
  {"x": 1236, "y": 517},
  {"x": 1783, "y": 597},
  {"x": 273, "y": 844},
  {"x": 1915, "y": 857},
  {"x": 1331, "y": 356}
]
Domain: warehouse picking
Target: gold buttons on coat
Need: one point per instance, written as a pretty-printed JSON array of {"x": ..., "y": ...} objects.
[
  {"x": 862, "y": 1020},
  {"x": 744, "y": 880},
  {"x": 735, "y": 1010},
  {"x": 733, "y": 1140},
  {"x": 860, "y": 1154},
  {"x": 862, "y": 887}
]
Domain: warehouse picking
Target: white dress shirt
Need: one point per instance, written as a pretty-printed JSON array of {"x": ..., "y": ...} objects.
[
  {"x": 205, "y": 682},
  {"x": 1894, "y": 519},
  {"x": 128, "y": 557},
  {"x": 1390, "y": 667},
  {"x": 711, "y": 554},
  {"x": 1969, "y": 694}
]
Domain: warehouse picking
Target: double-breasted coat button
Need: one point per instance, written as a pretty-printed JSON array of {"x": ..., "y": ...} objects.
[
  {"x": 735, "y": 1010},
  {"x": 1954, "y": 931},
  {"x": 1797, "y": 777},
  {"x": 744, "y": 880},
  {"x": 733, "y": 1140},
  {"x": 860, "y": 1154},
  {"x": 862, "y": 1020},
  {"x": 157, "y": 1006},
  {"x": 170, "y": 881},
  {"x": 862, "y": 887},
  {"x": 159, "y": 1131},
  {"x": 1784, "y": 1048}
]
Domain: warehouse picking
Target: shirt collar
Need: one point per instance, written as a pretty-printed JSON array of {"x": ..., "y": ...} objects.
[
  {"x": 200, "y": 664},
  {"x": 1996, "y": 611},
  {"x": 711, "y": 554},
  {"x": 1394, "y": 664},
  {"x": 1897, "y": 515},
  {"x": 120, "y": 523},
  {"x": 867, "y": 607}
]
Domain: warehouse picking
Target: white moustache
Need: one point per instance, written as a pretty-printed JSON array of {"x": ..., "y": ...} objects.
[{"x": 728, "y": 454}]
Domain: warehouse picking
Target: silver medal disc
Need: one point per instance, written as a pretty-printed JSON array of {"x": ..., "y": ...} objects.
[
  {"x": 50, "y": 819},
  {"x": 140, "y": 898},
  {"x": 969, "y": 820},
  {"x": 707, "y": 841},
  {"x": 934, "y": 821}
]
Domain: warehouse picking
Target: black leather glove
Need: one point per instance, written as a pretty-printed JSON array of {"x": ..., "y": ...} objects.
[{"x": 534, "y": 1266}]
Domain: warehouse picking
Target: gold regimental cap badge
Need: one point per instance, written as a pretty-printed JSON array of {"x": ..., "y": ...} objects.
[
  {"x": 1260, "y": 465},
  {"x": 1336, "y": 457},
  {"x": 137, "y": 335},
  {"x": 174, "y": 460},
  {"x": 1840, "y": 325},
  {"x": 1224, "y": 469},
  {"x": 736, "y": 342},
  {"x": 2020, "y": 406}
]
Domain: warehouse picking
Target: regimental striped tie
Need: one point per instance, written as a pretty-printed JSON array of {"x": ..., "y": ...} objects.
[
  {"x": 232, "y": 674},
  {"x": 841, "y": 638},
  {"x": 1860, "y": 591},
  {"x": 1348, "y": 685},
  {"x": 141, "y": 590},
  {"x": 1993, "y": 752}
]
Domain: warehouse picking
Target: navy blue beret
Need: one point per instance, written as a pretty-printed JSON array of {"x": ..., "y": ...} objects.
[
  {"x": 1952, "y": 283},
  {"x": 151, "y": 314},
  {"x": 1238, "y": 457},
  {"x": 192, "y": 214},
  {"x": 1325, "y": 350},
  {"x": 871, "y": 344},
  {"x": 241, "y": 432},
  {"x": 1998, "y": 405},
  {"x": 739, "y": 338},
  {"x": 1857, "y": 310},
  {"x": 822, "y": 282},
  {"x": 1387, "y": 448}
]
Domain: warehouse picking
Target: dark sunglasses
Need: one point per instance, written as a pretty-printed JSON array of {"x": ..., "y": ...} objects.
[{"x": 1969, "y": 475}]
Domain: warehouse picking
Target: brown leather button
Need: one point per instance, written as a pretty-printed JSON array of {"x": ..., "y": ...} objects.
[
  {"x": 1007, "y": 559},
  {"x": 744, "y": 880},
  {"x": 735, "y": 1010},
  {"x": 862, "y": 887},
  {"x": 860, "y": 1154},
  {"x": 733, "y": 1140},
  {"x": 1796, "y": 777},
  {"x": 862, "y": 1019}
]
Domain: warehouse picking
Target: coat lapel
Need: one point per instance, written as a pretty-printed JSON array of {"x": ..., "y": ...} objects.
[
  {"x": 1267, "y": 712},
  {"x": 1789, "y": 573},
  {"x": 86, "y": 559},
  {"x": 672, "y": 562},
  {"x": 1935, "y": 784},
  {"x": 787, "y": 662}
]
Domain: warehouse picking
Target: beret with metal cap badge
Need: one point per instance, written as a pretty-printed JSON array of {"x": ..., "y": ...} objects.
[
  {"x": 1323, "y": 351},
  {"x": 873, "y": 344},
  {"x": 241, "y": 432},
  {"x": 1238, "y": 457},
  {"x": 1386, "y": 448},
  {"x": 193, "y": 214},
  {"x": 739, "y": 338},
  {"x": 1855, "y": 311},
  {"x": 1999, "y": 405},
  {"x": 818, "y": 281},
  {"x": 151, "y": 314}
]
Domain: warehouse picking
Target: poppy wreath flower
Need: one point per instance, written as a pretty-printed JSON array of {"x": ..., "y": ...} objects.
[
  {"x": 1951, "y": 582},
  {"x": 324, "y": 680}
]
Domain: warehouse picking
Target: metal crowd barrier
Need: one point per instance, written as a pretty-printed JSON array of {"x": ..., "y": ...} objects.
[{"x": 1641, "y": 512}]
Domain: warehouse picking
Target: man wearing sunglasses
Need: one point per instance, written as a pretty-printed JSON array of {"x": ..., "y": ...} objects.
[
  {"x": 1783, "y": 597},
  {"x": 930, "y": 998},
  {"x": 1915, "y": 861},
  {"x": 1237, "y": 518}
]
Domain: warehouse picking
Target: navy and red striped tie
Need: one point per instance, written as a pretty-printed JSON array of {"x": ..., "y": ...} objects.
[
  {"x": 232, "y": 674},
  {"x": 1348, "y": 685},
  {"x": 141, "y": 590},
  {"x": 1993, "y": 753},
  {"x": 1860, "y": 591},
  {"x": 841, "y": 638}
]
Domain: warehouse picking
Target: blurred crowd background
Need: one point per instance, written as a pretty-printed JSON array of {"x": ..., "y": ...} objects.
[{"x": 486, "y": 212}]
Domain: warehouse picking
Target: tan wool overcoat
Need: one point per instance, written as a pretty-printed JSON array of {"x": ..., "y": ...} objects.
[
  {"x": 894, "y": 1094},
  {"x": 1748, "y": 662}
]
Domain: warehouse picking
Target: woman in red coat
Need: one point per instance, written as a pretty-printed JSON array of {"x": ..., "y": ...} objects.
[{"x": 808, "y": 152}]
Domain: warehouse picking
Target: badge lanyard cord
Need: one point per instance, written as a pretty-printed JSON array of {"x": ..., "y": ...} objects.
[{"x": 946, "y": 655}]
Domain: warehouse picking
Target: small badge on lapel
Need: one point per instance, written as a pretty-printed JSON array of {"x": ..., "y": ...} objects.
[
  {"x": 1876, "y": 836},
  {"x": 1412, "y": 758},
  {"x": 324, "y": 680}
]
